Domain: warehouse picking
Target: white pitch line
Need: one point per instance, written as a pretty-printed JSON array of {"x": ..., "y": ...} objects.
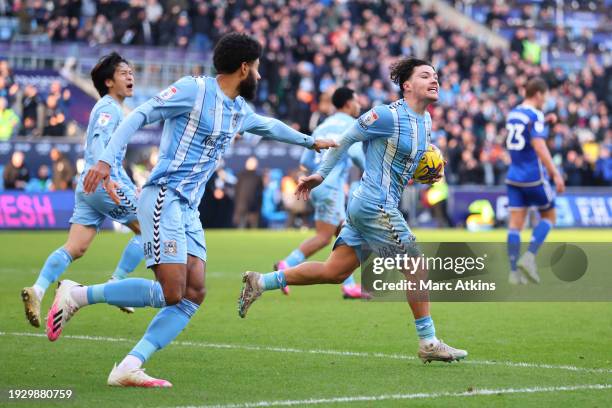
[
  {"x": 321, "y": 351},
  {"x": 420, "y": 395}
]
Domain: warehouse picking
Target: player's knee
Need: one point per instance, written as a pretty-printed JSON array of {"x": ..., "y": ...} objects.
[
  {"x": 196, "y": 294},
  {"x": 76, "y": 251},
  {"x": 173, "y": 294},
  {"x": 334, "y": 275}
]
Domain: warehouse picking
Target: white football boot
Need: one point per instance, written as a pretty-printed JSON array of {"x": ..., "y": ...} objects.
[
  {"x": 135, "y": 378},
  {"x": 440, "y": 351},
  {"x": 527, "y": 265}
]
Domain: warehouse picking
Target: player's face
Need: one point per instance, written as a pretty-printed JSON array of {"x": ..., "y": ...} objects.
[
  {"x": 355, "y": 107},
  {"x": 123, "y": 81},
  {"x": 248, "y": 86},
  {"x": 424, "y": 83},
  {"x": 540, "y": 99}
]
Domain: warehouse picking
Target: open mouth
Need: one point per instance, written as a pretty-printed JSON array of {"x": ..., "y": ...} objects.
[
  {"x": 130, "y": 86},
  {"x": 433, "y": 89}
]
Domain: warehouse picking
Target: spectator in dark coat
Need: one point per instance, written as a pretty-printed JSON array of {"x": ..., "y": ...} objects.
[
  {"x": 16, "y": 174},
  {"x": 249, "y": 192}
]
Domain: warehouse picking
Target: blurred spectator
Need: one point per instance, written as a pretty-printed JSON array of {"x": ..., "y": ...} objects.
[
  {"x": 62, "y": 95},
  {"x": 249, "y": 191},
  {"x": 297, "y": 210},
  {"x": 16, "y": 174},
  {"x": 8, "y": 90},
  {"x": 603, "y": 167},
  {"x": 31, "y": 115},
  {"x": 54, "y": 118},
  {"x": 63, "y": 171},
  {"x": 42, "y": 181},
  {"x": 9, "y": 121}
]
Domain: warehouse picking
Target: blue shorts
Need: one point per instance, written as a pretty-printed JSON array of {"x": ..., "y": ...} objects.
[
  {"x": 371, "y": 229},
  {"x": 541, "y": 196},
  {"x": 92, "y": 209},
  {"x": 329, "y": 205},
  {"x": 170, "y": 228}
]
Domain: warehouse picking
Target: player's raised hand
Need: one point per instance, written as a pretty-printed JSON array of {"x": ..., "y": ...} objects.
[
  {"x": 323, "y": 144},
  {"x": 306, "y": 184},
  {"x": 111, "y": 188},
  {"x": 97, "y": 173}
]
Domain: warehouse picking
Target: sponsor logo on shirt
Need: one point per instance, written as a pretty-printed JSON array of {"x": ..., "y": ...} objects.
[
  {"x": 367, "y": 119},
  {"x": 104, "y": 119},
  {"x": 165, "y": 95}
]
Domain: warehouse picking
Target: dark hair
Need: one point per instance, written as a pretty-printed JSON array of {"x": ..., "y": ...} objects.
[
  {"x": 402, "y": 70},
  {"x": 341, "y": 96},
  {"x": 105, "y": 69},
  {"x": 232, "y": 50},
  {"x": 534, "y": 86}
]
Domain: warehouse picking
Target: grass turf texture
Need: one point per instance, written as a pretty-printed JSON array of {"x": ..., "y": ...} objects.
[{"x": 213, "y": 363}]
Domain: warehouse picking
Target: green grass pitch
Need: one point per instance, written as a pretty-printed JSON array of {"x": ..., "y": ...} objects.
[{"x": 311, "y": 348}]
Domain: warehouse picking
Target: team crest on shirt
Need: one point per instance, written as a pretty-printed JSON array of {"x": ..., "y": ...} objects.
[
  {"x": 367, "y": 119},
  {"x": 170, "y": 248},
  {"x": 104, "y": 119},
  {"x": 234, "y": 121}
]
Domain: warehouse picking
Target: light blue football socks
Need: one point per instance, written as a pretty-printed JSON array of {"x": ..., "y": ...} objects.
[
  {"x": 134, "y": 292},
  {"x": 273, "y": 280},
  {"x": 164, "y": 328},
  {"x": 296, "y": 257},
  {"x": 426, "y": 330},
  {"x": 350, "y": 281},
  {"x": 53, "y": 268},
  {"x": 131, "y": 257}
]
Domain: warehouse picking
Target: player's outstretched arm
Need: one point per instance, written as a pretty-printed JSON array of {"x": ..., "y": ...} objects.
[
  {"x": 539, "y": 145},
  {"x": 274, "y": 129},
  {"x": 347, "y": 139}
]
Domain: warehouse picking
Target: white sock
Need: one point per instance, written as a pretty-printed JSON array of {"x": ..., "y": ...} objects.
[
  {"x": 39, "y": 290},
  {"x": 430, "y": 342},
  {"x": 79, "y": 294},
  {"x": 129, "y": 363}
]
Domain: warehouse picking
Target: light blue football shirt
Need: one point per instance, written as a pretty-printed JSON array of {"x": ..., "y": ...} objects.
[
  {"x": 103, "y": 121},
  {"x": 332, "y": 129},
  {"x": 395, "y": 137},
  {"x": 200, "y": 122}
]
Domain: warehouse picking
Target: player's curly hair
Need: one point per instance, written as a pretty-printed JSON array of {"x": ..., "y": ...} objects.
[
  {"x": 402, "y": 70},
  {"x": 341, "y": 96},
  {"x": 105, "y": 69},
  {"x": 232, "y": 50}
]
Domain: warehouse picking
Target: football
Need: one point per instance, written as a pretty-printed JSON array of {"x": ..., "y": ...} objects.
[{"x": 430, "y": 165}]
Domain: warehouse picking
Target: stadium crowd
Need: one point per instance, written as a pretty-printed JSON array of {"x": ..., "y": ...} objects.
[
  {"x": 29, "y": 111},
  {"x": 311, "y": 46}
]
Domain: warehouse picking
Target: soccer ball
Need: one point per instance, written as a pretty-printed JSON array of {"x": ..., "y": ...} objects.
[{"x": 430, "y": 166}]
